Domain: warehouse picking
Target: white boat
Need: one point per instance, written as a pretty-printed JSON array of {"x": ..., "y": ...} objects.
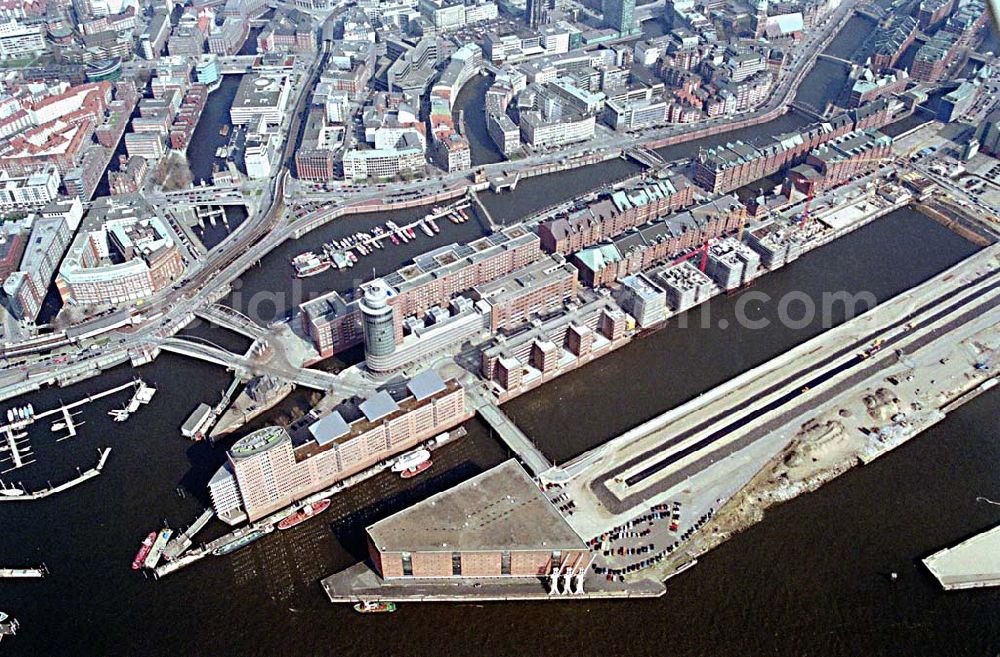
[
  {"x": 427, "y": 229},
  {"x": 411, "y": 460},
  {"x": 10, "y": 415},
  {"x": 31, "y": 410},
  {"x": 58, "y": 426}
]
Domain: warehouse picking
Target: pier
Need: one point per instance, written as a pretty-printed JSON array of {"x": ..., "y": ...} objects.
[
  {"x": 24, "y": 573},
  {"x": 482, "y": 209},
  {"x": 20, "y": 495},
  {"x": 181, "y": 542},
  {"x": 972, "y": 564}
]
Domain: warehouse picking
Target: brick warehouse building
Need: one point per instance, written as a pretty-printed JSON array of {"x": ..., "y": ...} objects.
[{"x": 496, "y": 524}]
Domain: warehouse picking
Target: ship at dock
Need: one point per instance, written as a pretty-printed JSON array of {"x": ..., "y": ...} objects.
[
  {"x": 239, "y": 543},
  {"x": 309, "y": 264},
  {"x": 144, "y": 549},
  {"x": 303, "y": 514},
  {"x": 412, "y": 464}
]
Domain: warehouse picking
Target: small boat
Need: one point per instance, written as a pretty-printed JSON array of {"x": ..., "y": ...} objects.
[
  {"x": 411, "y": 460},
  {"x": 305, "y": 513},
  {"x": 377, "y": 607},
  {"x": 31, "y": 410},
  {"x": 144, "y": 550},
  {"x": 10, "y": 415},
  {"x": 427, "y": 229},
  {"x": 58, "y": 426},
  {"x": 433, "y": 225},
  {"x": 394, "y": 239},
  {"x": 410, "y": 232},
  {"x": 239, "y": 543},
  {"x": 414, "y": 471},
  {"x": 225, "y": 130}
]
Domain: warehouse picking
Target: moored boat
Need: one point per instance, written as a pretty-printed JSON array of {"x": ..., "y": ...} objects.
[
  {"x": 144, "y": 549},
  {"x": 309, "y": 264},
  {"x": 415, "y": 470},
  {"x": 239, "y": 543},
  {"x": 304, "y": 514},
  {"x": 376, "y": 607},
  {"x": 411, "y": 460}
]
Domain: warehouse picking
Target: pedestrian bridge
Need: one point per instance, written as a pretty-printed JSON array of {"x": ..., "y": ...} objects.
[
  {"x": 303, "y": 376},
  {"x": 231, "y": 319}
]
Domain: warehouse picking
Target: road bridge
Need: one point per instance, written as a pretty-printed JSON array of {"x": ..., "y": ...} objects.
[{"x": 645, "y": 156}]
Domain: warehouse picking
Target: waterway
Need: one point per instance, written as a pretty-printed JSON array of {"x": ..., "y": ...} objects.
[
  {"x": 206, "y": 138},
  {"x": 471, "y": 103},
  {"x": 679, "y": 362},
  {"x": 768, "y": 591}
]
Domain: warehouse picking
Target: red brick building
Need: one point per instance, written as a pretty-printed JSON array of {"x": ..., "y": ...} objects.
[
  {"x": 497, "y": 524},
  {"x": 612, "y": 215}
]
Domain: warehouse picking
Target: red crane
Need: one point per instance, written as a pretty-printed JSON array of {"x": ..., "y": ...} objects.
[
  {"x": 703, "y": 250},
  {"x": 805, "y": 210}
]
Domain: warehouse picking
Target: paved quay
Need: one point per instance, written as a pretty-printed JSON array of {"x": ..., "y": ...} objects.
[{"x": 624, "y": 477}]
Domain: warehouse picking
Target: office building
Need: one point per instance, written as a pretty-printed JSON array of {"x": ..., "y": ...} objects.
[
  {"x": 270, "y": 469},
  {"x": 620, "y": 15}
]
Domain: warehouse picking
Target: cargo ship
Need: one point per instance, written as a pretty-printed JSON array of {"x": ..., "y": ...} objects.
[
  {"x": 156, "y": 551},
  {"x": 304, "y": 514},
  {"x": 309, "y": 264},
  {"x": 239, "y": 543},
  {"x": 143, "y": 552}
]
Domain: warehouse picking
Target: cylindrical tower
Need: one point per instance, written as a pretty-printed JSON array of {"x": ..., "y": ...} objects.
[{"x": 380, "y": 333}]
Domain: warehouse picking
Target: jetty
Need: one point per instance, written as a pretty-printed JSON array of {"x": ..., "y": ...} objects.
[
  {"x": 180, "y": 543},
  {"x": 24, "y": 573},
  {"x": 972, "y": 564},
  {"x": 21, "y": 495}
]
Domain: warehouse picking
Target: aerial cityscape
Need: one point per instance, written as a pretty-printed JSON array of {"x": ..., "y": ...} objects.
[{"x": 532, "y": 327}]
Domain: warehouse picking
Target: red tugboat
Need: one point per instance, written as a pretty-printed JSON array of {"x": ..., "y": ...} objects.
[
  {"x": 413, "y": 472},
  {"x": 143, "y": 552},
  {"x": 304, "y": 514}
]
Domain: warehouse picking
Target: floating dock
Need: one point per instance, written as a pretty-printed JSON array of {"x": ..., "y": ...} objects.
[
  {"x": 972, "y": 564},
  {"x": 20, "y": 495},
  {"x": 24, "y": 573}
]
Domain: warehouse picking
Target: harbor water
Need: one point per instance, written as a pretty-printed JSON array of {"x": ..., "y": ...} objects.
[{"x": 810, "y": 580}]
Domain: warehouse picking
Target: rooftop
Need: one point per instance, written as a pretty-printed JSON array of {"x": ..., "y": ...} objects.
[{"x": 500, "y": 509}]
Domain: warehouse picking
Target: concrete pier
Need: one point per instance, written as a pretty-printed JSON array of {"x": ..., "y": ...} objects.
[{"x": 972, "y": 564}]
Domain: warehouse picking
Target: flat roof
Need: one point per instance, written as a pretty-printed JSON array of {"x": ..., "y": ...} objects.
[
  {"x": 425, "y": 384},
  {"x": 379, "y": 406},
  {"x": 328, "y": 428},
  {"x": 500, "y": 509}
]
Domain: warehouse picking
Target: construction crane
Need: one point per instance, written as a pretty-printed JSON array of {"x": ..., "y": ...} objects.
[{"x": 703, "y": 250}]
